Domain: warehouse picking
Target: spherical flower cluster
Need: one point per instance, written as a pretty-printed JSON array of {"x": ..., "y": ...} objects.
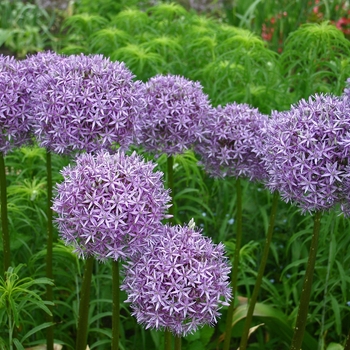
[
  {"x": 305, "y": 154},
  {"x": 14, "y": 104},
  {"x": 233, "y": 142},
  {"x": 86, "y": 103},
  {"x": 173, "y": 118},
  {"x": 178, "y": 283},
  {"x": 109, "y": 205}
]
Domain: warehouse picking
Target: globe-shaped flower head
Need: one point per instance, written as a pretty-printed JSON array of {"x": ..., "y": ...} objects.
[
  {"x": 108, "y": 205},
  {"x": 86, "y": 103},
  {"x": 304, "y": 155},
  {"x": 14, "y": 104},
  {"x": 173, "y": 118},
  {"x": 233, "y": 142},
  {"x": 179, "y": 283}
]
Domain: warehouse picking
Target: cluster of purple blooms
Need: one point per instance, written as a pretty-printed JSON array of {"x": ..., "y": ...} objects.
[
  {"x": 112, "y": 205},
  {"x": 233, "y": 142},
  {"x": 179, "y": 283},
  {"x": 174, "y": 117},
  {"x": 86, "y": 103},
  {"x": 306, "y": 152},
  {"x": 14, "y": 104}
]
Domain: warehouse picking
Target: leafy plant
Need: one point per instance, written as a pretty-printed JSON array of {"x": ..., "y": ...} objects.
[
  {"x": 316, "y": 59},
  {"x": 25, "y": 27},
  {"x": 19, "y": 297}
]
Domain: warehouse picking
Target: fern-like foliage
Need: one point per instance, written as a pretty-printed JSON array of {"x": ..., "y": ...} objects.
[
  {"x": 316, "y": 59},
  {"x": 168, "y": 12},
  {"x": 170, "y": 49},
  {"x": 84, "y": 24},
  {"x": 140, "y": 61},
  {"x": 131, "y": 20},
  {"x": 243, "y": 70},
  {"x": 107, "y": 40}
]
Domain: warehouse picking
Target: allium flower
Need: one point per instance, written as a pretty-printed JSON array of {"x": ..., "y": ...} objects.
[
  {"x": 173, "y": 118},
  {"x": 304, "y": 152},
  {"x": 179, "y": 283},
  {"x": 86, "y": 103},
  {"x": 108, "y": 205},
  {"x": 233, "y": 141},
  {"x": 14, "y": 104}
]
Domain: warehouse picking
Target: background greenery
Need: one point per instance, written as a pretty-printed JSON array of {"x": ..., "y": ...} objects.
[{"x": 267, "y": 53}]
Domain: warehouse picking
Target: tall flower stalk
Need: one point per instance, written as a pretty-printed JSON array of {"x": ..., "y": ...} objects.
[
  {"x": 231, "y": 146},
  {"x": 259, "y": 278},
  {"x": 235, "y": 267},
  {"x": 37, "y": 66},
  {"x": 306, "y": 156},
  {"x": 115, "y": 305},
  {"x": 300, "y": 324},
  {"x": 4, "y": 217},
  {"x": 49, "y": 254},
  {"x": 83, "y": 316}
]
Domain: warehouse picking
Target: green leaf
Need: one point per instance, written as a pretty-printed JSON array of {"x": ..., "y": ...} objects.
[
  {"x": 18, "y": 345},
  {"x": 275, "y": 320},
  {"x": 334, "y": 346},
  {"x": 37, "y": 329}
]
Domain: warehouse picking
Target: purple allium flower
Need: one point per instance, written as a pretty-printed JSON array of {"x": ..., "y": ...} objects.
[
  {"x": 173, "y": 118},
  {"x": 108, "y": 205},
  {"x": 305, "y": 154},
  {"x": 86, "y": 103},
  {"x": 14, "y": 104},
  {"x": 233, "y": 142},
  {"x": 179, "y": 282}
]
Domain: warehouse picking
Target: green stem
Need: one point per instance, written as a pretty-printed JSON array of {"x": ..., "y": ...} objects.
[
  {"x": 252, "y": 302},
  {"x": 83, "y": 318},
  {"x": 167, "y": 340},
  {"x": 178, "y": 343},
  {"x": 300, "y": 324},
  {"x": 115, "y": 307},
  {"x": 170, "y": 183},
  {"x": 49, "y": 273},
  {"x": 4, "y": 217},
  {"x": 11, "y": 328},
  {"x": 234, "y": 272},
  {"x": 347, "y": 343}
]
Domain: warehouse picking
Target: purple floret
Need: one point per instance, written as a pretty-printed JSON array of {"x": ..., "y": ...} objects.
[
  {"x": 173, "y": 118},
  {"x": 14, "y": 104},
  {"x": 233, "y": 142},
  {"x": 179, "y": 282},
  {"x": 86, "y": 103},
  {"x": 109, "y": 205},
  {"x": 305, "y": 152}
]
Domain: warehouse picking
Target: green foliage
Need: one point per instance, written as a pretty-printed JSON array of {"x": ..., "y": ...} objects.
[
  {"x": 316, "y": 59},
  {"x": 19, "y": 299},
  {"x": 25, "y": 28}
]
